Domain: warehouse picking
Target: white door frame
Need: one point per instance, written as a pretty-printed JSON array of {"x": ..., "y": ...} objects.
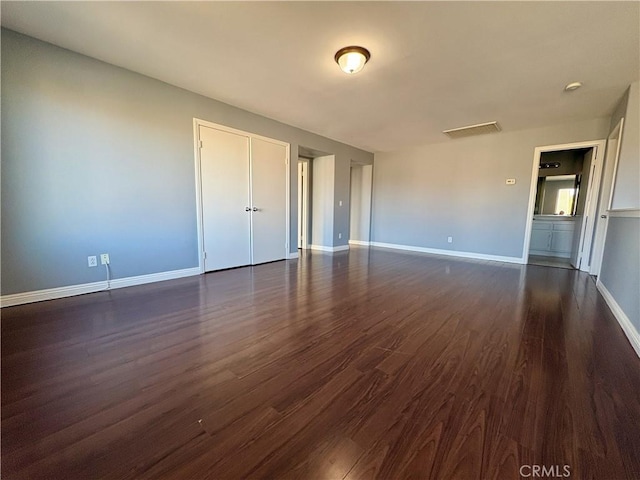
[
  {"x": 303, "y": 215},
  {"x": 197, "y": 123},
  {"x": 300, "y": 177},
  {"x": 605, "y": 205},
  {"x": 592, "y": 192}
]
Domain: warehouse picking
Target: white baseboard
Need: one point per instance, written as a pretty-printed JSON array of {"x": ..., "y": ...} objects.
[
  {"x": 293, "y": 255},
  {"x": 50, "y": 294},
  {"x": 322, "y": 248},
  {"x": 69, "y": 291},
  {"x": 359, "y": 242},
  {"x": 450, "y": 253},
  {"x": 624, "y": 321}
]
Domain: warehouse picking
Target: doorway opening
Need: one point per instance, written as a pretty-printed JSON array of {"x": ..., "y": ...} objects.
[
  {"x": 315, "y": 197},
  {"x": 303, "y": 202},
  {"x": 563, "y": 200}
]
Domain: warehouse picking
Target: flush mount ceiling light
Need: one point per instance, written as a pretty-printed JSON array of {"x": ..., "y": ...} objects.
[
  {"x": 572, "y": 86},
  {"x": 352, "y": 59}
]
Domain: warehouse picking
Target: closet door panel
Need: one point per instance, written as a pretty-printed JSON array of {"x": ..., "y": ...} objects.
[
  {"x": 226, "y": 225},
  {"x": 268, "y": 197}
]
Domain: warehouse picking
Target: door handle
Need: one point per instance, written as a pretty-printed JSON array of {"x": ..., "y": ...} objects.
[
  {"x": 603, "y": 216},
  {"x": 247, "y": 209},
  {"x": 255, "y": 209}
]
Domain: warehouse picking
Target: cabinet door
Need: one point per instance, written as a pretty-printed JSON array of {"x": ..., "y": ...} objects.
[
  {"x": 561, "y": 241},
  {"x": 269, "y": 200},
  {"x": 224, "y": 167},
  {"x": 540, "y": 240}
]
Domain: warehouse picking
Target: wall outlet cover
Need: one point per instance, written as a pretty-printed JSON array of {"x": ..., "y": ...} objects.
[
  {"x": 510, "y": 181},
  {"x": 92, "y": 261}
]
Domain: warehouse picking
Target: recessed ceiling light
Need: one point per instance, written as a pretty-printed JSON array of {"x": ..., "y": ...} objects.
[
  {"x": 352, "y": 59},
  {"x": 572, "y": 86}
]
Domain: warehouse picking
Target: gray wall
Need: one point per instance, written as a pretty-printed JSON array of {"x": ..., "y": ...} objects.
[
  {"x": 342, "y": 183},
  {"x": 322, "y": 195},
  {"x": 361, "y": 177},
  {"x": 99, "y": 159},
  {"x": 422, "y": 195},
  {"x": 620, "y": 271}
]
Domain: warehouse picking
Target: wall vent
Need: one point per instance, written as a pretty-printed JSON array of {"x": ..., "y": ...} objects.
[{"x": 471, "y": 130}]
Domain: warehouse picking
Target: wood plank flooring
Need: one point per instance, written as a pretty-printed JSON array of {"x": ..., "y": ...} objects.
[{"x": 358, "y": 365}]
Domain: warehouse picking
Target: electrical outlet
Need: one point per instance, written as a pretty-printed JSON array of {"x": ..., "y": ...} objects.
[
  {"x": 339, "y": 235},
  {"x": 340, "y": 203},
  {"x": 450, "y": 239},
  {"x": 104, "y": 259},
  {"x": 510, "y": 181},
  {"x": 92, "y": 261}
]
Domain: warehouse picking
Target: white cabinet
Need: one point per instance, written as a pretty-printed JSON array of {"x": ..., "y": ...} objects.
[
  {"x": 561, "y": 241},
  {"x": 540, "y": 239},
  {"x": 553, "y": 238}
]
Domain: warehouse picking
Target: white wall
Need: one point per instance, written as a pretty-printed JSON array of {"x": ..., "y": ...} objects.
[
  {"x": 626, "y": 193},
  {"x": 457, "y": 188}
]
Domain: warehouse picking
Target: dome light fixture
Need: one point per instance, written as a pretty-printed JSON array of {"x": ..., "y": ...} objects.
[
  {"x": 352, "y": 59},
  {"x": 572, "y": 86}
]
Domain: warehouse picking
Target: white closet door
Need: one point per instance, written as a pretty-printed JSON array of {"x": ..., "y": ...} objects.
[
  {"x": 224, "y": 167},
  {"x": 268, "y": 198}
]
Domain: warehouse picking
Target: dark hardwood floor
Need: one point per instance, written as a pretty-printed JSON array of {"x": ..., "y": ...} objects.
[{"x": 366, "y": 364}]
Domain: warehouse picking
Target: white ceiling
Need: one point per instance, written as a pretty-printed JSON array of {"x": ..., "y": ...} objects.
[{"x": 434, "y": 65}]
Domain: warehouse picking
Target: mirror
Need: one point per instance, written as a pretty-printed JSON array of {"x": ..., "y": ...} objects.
[{"x": 557, "y": 194}]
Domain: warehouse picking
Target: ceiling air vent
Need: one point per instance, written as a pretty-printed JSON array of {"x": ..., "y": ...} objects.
[{"x": 471, "y": 130}]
